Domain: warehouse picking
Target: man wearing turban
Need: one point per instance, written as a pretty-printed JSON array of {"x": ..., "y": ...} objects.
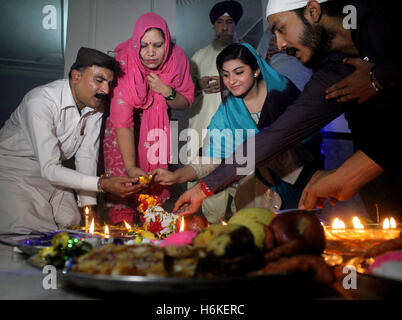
[{"x": 224, "y": 17}]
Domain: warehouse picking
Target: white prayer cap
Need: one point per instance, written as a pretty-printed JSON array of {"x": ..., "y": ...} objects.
[{"x": 276, "y": 6}]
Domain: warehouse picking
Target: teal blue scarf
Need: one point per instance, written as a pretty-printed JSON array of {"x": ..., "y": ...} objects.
[{"x": 232, "y": 124}]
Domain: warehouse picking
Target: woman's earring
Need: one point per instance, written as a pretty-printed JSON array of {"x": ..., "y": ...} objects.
[{"x": 255, "y": 75}]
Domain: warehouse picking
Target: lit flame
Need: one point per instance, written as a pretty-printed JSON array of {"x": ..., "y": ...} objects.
[
  {"x": 338, "y": 224},
  {"x": 128, "y": 227},
  {"x": 392, "y": 223},
  {"x": 107, "y": 232},
  {"x": 224, "y": 223},
  {"x": 86, "y": 210},
  {"x": 181, "y": 225},
  {"x": 92, "y": 227},
  {"x": 357, "y": 224},
  {"x": 385, "y": 225}
]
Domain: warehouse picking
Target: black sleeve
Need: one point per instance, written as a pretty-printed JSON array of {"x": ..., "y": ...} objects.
[{"x": 310, "y": 112}]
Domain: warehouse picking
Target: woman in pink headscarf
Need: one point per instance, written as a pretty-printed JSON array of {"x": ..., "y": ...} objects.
[{"x": 137, "y": 136}]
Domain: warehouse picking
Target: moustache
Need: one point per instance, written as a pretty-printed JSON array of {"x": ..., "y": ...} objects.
[
  {"x": 291, "y": 51},
  {"x": 102, "y": 96}
]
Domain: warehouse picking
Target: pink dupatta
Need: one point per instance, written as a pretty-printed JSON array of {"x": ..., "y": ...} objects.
[{"x": 132, "y": 91}]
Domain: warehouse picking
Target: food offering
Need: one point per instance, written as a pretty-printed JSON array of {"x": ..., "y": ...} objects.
[
  {"x": 158, "y": 221},
  {"x": 63, "y": 252},
  {"x": 255, "y": 242},
  {"x": 145, "y": 179},
  {"x": 254, "y": 246}
]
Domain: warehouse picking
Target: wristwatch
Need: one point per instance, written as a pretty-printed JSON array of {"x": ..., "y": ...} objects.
[{"x": 172, "y": 95}]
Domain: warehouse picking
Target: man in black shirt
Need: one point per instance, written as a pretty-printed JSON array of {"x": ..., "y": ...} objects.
[{"x": 364, "y": 87}]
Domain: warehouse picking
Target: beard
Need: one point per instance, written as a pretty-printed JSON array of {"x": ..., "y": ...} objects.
[
  {"x": 318, "y": 40},
  {"x": 223, "y": 39}
]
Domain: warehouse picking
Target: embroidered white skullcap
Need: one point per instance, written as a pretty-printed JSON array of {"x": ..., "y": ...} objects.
[{"x": 276, "y": 6}]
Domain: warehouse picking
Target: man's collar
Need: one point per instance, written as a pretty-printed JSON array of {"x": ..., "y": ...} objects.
[{"x": 67, "y": 100}]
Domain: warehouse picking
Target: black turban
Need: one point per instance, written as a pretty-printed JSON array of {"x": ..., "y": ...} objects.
[
  {"x": 233, "y": 8},
  {"x": 87, "y": 57}
]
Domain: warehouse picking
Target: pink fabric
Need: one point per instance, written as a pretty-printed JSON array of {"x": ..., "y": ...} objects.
[{"x": 132, "y": 93}]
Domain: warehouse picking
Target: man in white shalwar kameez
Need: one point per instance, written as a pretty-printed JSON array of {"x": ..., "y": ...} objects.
[{"x": 53, "y": 123}]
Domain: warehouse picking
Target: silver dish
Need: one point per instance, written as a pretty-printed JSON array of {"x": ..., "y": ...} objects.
[
  {"x": 29, "y": 244},
  {"x": 160, "y": 285}
]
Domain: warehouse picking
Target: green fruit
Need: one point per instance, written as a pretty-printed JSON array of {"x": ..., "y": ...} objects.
[
  {"x": 254, "y": 219},
  {"x": 206, "y": 235},
  {"x": 235, "y": 240}
]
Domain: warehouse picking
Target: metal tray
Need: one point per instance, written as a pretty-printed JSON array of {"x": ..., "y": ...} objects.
[
  {"x": 160, "y": 285},
  {"x": 31, "y": 244}
]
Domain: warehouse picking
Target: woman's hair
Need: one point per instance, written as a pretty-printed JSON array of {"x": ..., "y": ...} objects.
[
  {"x": 157, "y": 29},
  {"x": 232, "y": 52}
]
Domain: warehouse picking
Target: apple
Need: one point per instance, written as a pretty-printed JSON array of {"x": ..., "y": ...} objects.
[{"x": 301, "y": 225}]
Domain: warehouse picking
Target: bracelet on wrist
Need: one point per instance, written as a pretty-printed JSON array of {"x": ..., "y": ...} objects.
[
  {"x": 207, "y": 191},
  {"x": 372, "y": 80},
  {"x": 103, "y": 176},
  {"x": 172, "y": 95}
]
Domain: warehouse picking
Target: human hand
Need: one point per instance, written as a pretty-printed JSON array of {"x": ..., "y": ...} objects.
[
  {"x": 210, "y": 84},
  {"x": 164, "y": 177},
  {"x": 135, "y": 172},
  {"x": 355, "y": 86},
  {"x": 323, "y": 185},
  {"x": 157, "y": 85},
  {"x": 190, "y": 201},
  {"x": 122, "y": 186}
]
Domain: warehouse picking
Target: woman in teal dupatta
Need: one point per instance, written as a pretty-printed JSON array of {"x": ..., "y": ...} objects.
[{"x": 256, "y": 95}]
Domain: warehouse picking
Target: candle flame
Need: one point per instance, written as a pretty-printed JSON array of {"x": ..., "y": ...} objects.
[
  {"x": 224, "y": 223},
  {"x": 86, "y": 210},
  {"x": 107, "y": 232},
  {"x": 181, "y": 225},
  {"x": 128, "y": 227},
  {"x": 338, "y": 224},
  {"x": 392, "y": 223},
  {"x": 385, "y": 225},
  {"x": 357, "y": 224},
  {"x": 92, "y": 227}
]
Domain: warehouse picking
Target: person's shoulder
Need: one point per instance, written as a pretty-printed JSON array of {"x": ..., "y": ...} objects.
[
  {"x": 50, "y": 92},
  {"x": 202, "y": 51}
]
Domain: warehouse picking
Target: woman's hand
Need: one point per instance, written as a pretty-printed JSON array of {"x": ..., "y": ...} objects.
[
  {"x": 135, "y": 172},
  {"x": 190, "y": 201},
  {"x": 164, "y": 177},
  {"x": 157, "y": 85}
]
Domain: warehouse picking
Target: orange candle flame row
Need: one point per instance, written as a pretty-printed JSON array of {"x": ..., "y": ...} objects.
[{"x": 389, "y": 223}]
